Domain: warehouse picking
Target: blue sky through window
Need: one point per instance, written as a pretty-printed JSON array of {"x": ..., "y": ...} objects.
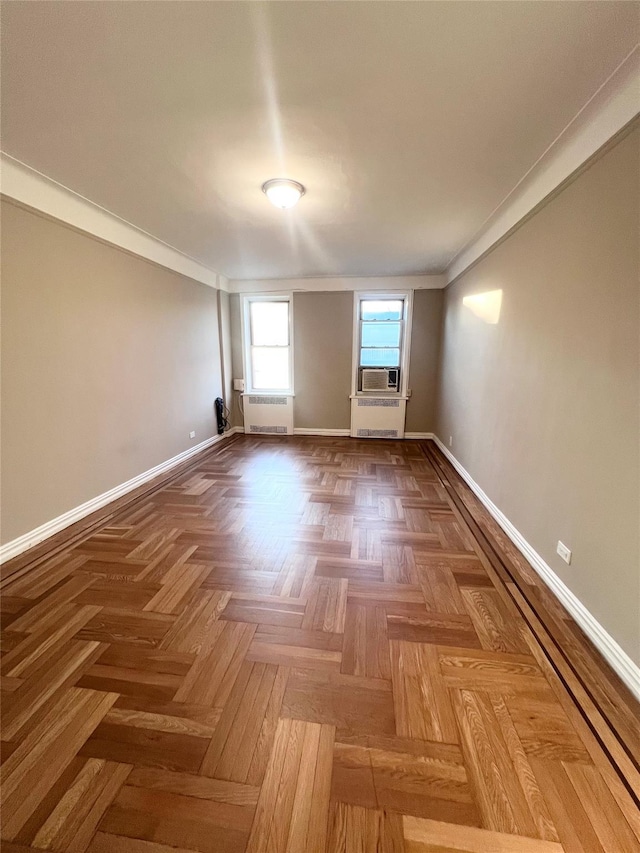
[
  {"x": 380, "y": 330},
  {"x": 381, "y": 334},
  {"x": 381, "y": 309},
  {"x": 380, "y": 357}
]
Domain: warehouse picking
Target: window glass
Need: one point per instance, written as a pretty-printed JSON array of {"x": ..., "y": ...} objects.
[
  {"x": 379, "y": 357},
  {"x": 381, "y": 309},
  {"x": 267, "y": 341},
  {"x": 270, "y": 368},
  {"x": 381, "y": 334},
  {"x": 269, "y": 324}
]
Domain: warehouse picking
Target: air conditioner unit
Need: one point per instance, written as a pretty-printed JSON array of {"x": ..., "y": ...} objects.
[{"x": 380, "y": 379}]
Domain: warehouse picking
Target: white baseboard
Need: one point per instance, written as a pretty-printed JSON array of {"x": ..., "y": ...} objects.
[
  {"x": 49, "y": 528},
  {"x": 615, "y": 656},
  {"x": 320, "y": 431},
  {"x": 347, "y": 433},
  {"x": 344, "y": 433}
]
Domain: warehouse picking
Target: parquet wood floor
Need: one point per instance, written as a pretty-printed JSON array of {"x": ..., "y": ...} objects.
[{"x": 302, "y": 645}]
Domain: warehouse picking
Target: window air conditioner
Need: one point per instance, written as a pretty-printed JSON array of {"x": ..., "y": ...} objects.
[{"x": 380, "y": 379}]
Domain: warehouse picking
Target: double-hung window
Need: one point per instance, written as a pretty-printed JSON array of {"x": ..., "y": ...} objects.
[
  {"x": 381, "y": 340},
  {"x": 380, "y": 332},
  {"x": 267, "y": 344}
]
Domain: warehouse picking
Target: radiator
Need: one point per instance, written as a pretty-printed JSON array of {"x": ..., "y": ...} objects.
[
  {"x": 268, "y": 414},
  {"x": 377, "y": 417}
]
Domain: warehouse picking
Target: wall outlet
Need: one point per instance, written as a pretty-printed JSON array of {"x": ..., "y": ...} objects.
[
  {"x": 450, "y": 441},
  {"x": 192, "y": 435},
  {"x": 564, "y": 552},
  {"x": 238, "y": 384}
]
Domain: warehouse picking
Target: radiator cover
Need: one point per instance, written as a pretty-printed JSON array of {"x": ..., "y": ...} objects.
[
  {"x": 268, "y": 414},
  {"x": 377, "y": 417}
]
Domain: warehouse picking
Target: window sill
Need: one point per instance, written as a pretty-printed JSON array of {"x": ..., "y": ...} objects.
[
  {"x": 378, "y": 395},
  {"x": 267, "y": 394}
]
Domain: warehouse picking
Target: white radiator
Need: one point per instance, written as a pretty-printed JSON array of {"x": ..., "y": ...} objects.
[
  {"x": 377, "y": 417},
  {"x": 268, "y": 414}
]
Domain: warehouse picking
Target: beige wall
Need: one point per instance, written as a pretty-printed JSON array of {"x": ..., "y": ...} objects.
[
  {"x": 323, "y": 332},
  {"x": 543, "y": 406},
  {"x": 423, "y": 364},
  {"x": 235, "y": 322},
  {"x": 108, "y": 362},
  {"x": 224, "y": 331}
]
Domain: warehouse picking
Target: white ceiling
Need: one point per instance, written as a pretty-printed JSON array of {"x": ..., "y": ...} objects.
[{"x": 408, "y": 122}]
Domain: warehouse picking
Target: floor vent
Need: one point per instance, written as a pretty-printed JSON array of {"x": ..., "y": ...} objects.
[
  {"x": 271, "y": 430},
  {"x": 268, "y": 401},
  {"x": 384, "y": 404},
  {"x": 377, "y": 433}
]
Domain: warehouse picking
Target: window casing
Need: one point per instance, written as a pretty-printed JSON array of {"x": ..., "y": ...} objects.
[
  {"x": 267, "y": 344},
  {"x": 381, "y": 338}
]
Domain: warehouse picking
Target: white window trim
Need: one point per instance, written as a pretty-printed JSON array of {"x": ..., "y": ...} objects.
[
  {"x": 407, "y": 296},
  {"x": 247, "y": 299}
]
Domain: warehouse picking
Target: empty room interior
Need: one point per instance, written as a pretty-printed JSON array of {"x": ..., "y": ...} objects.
[{"x": 320, "y": 443}]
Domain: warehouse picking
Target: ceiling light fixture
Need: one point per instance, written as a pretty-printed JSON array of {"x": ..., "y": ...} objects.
[{"x": 282, "y": 192}]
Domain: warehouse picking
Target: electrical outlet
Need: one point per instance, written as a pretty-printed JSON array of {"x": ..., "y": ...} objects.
[
  {"x": 238, "y": 384},
  {"x": 192, "y": 435},
  {"x": 564, "y": 552},
  {"x": 450, "y": 441}
]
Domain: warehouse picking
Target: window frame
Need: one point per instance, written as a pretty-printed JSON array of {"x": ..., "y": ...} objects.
[
  {"x": 405, "y": 340},
  {"x": 247, "y": 346}
]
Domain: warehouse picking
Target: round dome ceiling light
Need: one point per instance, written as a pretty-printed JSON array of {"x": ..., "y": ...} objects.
[{"x": 282, "y": 192}]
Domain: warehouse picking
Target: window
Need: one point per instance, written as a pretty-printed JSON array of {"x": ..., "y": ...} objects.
[
  {"x": 381, "y": 337},
  {"x": 380, "y": 332},
  {"x": 267, "y": 338}
]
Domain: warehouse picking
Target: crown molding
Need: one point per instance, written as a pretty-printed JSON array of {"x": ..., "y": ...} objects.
[
  {"x": 35, "y": 190},
  {"x": 609, "y": 110},
  {"x": 337, "y": 283},
  {"x": 606, "y": 113}
]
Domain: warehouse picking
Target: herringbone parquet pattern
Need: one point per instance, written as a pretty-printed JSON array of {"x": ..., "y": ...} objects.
[{"x": 296, "y": 645}]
